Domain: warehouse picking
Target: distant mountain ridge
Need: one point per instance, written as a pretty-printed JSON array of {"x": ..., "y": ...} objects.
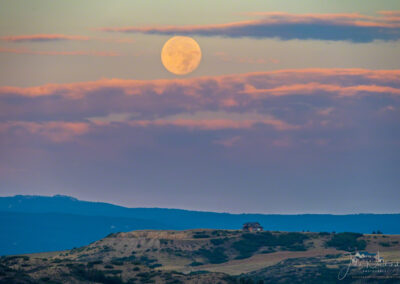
[{"x": 32, "y": 223}]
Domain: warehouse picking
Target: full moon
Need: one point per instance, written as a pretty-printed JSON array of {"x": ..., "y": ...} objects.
[{"x": 181, "y": 55}]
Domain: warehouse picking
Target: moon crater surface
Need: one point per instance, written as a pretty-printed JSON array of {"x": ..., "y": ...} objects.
[{"x": 181, "y": 55}]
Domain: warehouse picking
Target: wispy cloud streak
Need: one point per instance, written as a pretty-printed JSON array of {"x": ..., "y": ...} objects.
[
  {"x": 53, "y": 52},
  {"x": 353, "y": 27},
  {"x": 44, "y": 38}
]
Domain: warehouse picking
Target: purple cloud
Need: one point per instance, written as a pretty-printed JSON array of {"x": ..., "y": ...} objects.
[{"x": 285, "y": 26}]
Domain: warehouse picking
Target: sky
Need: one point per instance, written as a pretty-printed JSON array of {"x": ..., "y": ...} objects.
[{"x": 294, "y": 108}]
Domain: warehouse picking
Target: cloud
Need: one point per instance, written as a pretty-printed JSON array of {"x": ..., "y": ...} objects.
[
  {"x": 61, "y": 37},
  {"x": 265, "y": 132},
  {"x": 299, "y": 100},
  {"x": 353, "y": 27},
  {"x": 311, "y": 88},
  {"x": 67, "y": 53},
  {"x": 223, "y": 56},
  {"x": 217, "y": 121},
  {"x": 44, "y": 38},
  {"x": 56, "y": 131},
  {"x": 228, "y": 142}
]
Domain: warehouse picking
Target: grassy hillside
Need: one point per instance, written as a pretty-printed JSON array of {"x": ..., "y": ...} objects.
[{"x": 199, "y": 256}]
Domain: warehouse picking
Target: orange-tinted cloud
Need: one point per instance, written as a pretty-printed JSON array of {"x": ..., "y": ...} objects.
[
  {"x": 215, "y": 124},
  {"x": 56, "y": 131},
  {"x": 281, "y": 82},
  {"x": 312, "y": 88},
  {"x": 280, "y": 101}
]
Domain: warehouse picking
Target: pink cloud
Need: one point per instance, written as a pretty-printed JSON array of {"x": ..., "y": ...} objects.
[
  {"x": 312, "y": 88},
  {"x": 275, "y": 100},
  {"x": 281, "y": 82},
  {"x": 214, "y": 124},
  {"x": 56, "y": 131}
]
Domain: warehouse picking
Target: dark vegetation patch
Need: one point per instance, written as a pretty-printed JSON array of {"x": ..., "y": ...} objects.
[
  {"x": 9, "y": 275},
  {"x": 94, "y": 275},
  {"x": 214, "y": 256},
  {"x": 155, "y": 265},
  {"x": 200, "y": 235},
  {"x": 117, "y": 262},
  {"x": 113, "y": 271},
  {"x": 90, "y": 264},
  {"x": 347, "y": 241},
  {"x": 164, "y": 241},
  {"x": 146, "y": 277},
  {"x": 250, "y": 243},
  {"x": 146, "y": 260},
  {"x": 269, "y": 250},
  {"x": 217, "y": 242},
  {"x": 196, "y": 263}
]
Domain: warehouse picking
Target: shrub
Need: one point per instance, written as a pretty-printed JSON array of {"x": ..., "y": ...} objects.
[
  {"x": 147, "y": 260},
  {"x": 94, "y": 275},
  {"x": 146, "y": 275},
  {"x": 164, "y": 241},
  {"x": 92, "y": 263},
  {"x": 114, "y": 271},
  {"x": 297, "y": 247},
  {"x": 347, "y": 241},
  {"x": 201, "y": 236},
  {"x": 218, "y": 242},
  {"x": 268, "y": 251},
  {"x": 117, "y": 262},
  {"x": 196, "y": 263},
  {"x": 214, "y": 256},
  {"x": 155, "y": 265},
  {"x": 250, "y": 243},
  {"x": 131, "y": 258},
  {"x": 291, "y": 239}
]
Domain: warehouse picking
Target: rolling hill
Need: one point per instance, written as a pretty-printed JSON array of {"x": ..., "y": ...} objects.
[
  {"x": 203, "y": 256},
  {"x": 44, "y": 223}
]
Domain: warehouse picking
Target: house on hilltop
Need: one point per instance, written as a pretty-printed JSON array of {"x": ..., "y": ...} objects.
[
  {"x": 252, "y": 227},
  {"x": 364, "y": 257}
]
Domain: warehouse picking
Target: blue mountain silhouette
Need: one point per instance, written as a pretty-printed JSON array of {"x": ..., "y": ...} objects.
[{"x": 42, "y": 223}]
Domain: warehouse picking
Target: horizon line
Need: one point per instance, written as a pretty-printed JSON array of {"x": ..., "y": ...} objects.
[{"x": 201, "y": 211}]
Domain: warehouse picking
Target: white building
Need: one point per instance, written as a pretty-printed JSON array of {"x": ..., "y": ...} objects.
[{"x": 364, "y": 257}]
